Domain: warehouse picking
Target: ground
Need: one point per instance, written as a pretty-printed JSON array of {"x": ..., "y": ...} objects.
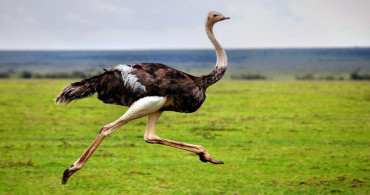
[{"x": 274, "y": 137}]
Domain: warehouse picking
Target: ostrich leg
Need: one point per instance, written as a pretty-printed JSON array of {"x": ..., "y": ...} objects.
[
  {"x": 138, "y": 109},
  {"x": 152, "y": 138}
]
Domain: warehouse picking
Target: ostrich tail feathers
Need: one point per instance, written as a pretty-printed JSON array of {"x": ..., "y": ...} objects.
[{"x": 78, "y": 90}]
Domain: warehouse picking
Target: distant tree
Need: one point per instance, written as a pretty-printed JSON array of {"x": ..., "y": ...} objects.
[
  {"x": 247, "y": 77},
  {"x": 355, "y": 75},
  {"x": 38, "y": 75},
  {"x": 308, "y": 76},
  {"x": 329, "y": 78},
  {"x": 4, "y": 75},
  {"x": 26, "y": 74}
]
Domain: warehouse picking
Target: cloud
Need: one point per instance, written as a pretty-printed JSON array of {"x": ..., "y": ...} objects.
[
  {"x": 129, "y": 24},
  {"x": 301, "y": 23}
]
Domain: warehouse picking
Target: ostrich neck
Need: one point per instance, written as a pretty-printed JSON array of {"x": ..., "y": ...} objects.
[
  {"x": 220, "y": 52},
  {"x": 221, "y": 63}
]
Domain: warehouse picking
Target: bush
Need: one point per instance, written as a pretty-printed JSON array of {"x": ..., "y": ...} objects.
[
  {"x": 356, "y": 75},
  {"x": 331, "y": 78},
  {"x": 4, "y": 75},
  {"x": 247, "y": 77},
  {"x": 308, "y": 76},
  {"x": 26, "y": 74}
]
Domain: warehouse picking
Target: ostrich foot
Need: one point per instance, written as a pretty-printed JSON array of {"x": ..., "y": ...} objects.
[
  {"x": 67, "y": 173},
  {"x": 205, "y": 157}
]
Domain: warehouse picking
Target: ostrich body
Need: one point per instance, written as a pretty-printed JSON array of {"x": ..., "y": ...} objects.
[{"x": 148, "y": 89}]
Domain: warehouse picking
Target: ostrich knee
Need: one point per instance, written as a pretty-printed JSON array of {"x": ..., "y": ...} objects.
[
  {"x": 201, "y": 150},
  {"x": 106, "y": 131}
]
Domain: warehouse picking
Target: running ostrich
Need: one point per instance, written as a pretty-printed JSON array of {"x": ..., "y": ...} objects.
[{"x": 148, "y": 89}]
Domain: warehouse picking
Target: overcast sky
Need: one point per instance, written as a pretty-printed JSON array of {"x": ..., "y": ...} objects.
[{"x": 170, "y": 24}]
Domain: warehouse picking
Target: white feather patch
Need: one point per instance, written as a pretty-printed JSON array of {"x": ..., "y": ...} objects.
[{"x": 129, "y": 79}]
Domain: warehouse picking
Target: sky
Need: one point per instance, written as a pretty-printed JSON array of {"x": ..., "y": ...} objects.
[{"x": 179, "y": 24}]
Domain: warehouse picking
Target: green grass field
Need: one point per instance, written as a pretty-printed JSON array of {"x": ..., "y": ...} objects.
[{"x": 274, "y": 137}]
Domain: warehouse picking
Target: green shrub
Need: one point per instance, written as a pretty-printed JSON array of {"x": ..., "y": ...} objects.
[
  {"x": 356, "y": 75},
  {"x": 26, "y": 74},
  {"x": 308, "y": 76},
  {"x": 4, "y": 75},
  {"x": 247, "y": 77}
]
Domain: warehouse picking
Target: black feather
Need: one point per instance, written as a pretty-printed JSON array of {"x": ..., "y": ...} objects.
[{"x": 78, "y": 90}]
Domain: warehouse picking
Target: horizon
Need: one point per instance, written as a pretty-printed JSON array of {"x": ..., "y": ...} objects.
[
  {"x": 320, "y": 59},
  {"x": 185, "y": 49}
]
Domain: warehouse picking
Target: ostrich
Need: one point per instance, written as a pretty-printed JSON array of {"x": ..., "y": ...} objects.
[{"x": 148, "y": 89}]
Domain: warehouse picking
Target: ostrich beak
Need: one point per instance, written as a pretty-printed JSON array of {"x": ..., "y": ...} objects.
[{"x": 225, "y": 18}]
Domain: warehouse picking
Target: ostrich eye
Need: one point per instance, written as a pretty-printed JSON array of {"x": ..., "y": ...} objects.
[{"x": 215, "y": 15}]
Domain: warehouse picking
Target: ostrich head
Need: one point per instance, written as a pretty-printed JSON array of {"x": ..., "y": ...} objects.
[{"x": 214, "y": 17}]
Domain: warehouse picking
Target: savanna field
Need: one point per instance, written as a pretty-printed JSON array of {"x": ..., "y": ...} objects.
[{"x": 275, "y": 137}]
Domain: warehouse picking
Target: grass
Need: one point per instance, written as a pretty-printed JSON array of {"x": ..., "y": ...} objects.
[{"x": 274, "y": 137}]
